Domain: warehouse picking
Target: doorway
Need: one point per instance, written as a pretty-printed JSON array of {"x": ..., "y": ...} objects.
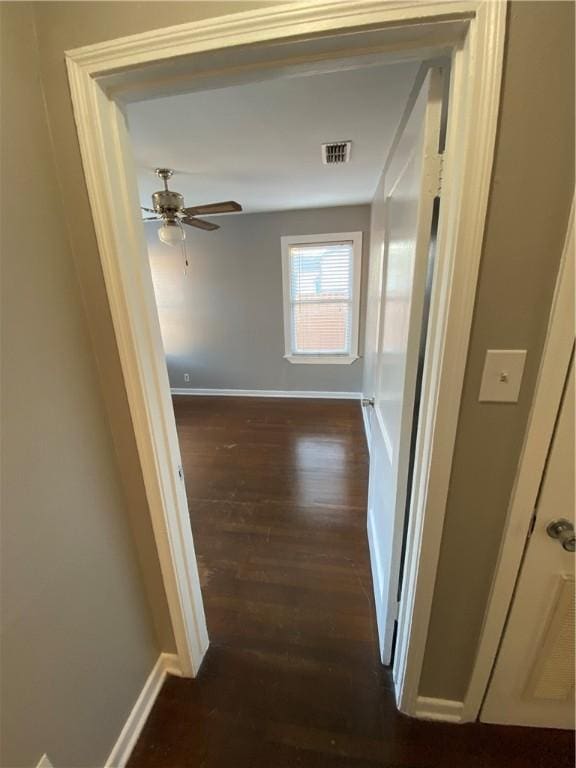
[
  {"x": 102, "y": 75},
  {"x": 223, "y": 295}
]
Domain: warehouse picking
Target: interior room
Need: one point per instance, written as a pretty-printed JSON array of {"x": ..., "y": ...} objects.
[
  {"x": 263, "y": 313},
  {"x": 261, "y": 144},
  {"x": 288, "y": 384}
]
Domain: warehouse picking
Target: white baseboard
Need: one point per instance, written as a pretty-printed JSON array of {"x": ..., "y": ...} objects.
[
  {"x": 376, "y": 568},
  {"x": 446, "y": 710},
  {"x": 167, "y": 664},
  {"x": 268, "y": 393},
  {"x": 366, "y": 420},
  {"x": 172, "y": 664}
]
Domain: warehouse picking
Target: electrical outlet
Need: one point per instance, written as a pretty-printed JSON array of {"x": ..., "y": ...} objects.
[
  {"x": 44, "y": 762},
  {"x": 186, "y": 377}
]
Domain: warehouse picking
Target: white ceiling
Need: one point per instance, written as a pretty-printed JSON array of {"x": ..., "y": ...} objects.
[{"x": 259, "y": 143}]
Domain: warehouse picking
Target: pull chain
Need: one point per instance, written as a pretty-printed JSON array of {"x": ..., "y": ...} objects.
[{"x": 185, "y": 257}]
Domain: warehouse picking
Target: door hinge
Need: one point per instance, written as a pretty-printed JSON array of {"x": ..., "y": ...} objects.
[
  {"x": 440, "y": 175},
  {"x": 396, "y": 612},
  {"x": 532, "y": 524},
  {"x": 434, "y": 172},
  {"x": 180, "y": 472}
]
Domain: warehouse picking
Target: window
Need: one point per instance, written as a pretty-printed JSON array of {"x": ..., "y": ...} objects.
[{"x": 321, "y": 277}]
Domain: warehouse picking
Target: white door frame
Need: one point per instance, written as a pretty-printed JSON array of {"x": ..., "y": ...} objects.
[
  {"x": 539, "y": 432},
  {"x": 100, "y": 75}
]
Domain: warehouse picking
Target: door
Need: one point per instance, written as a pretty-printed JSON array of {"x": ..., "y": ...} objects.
[
  {"x": 533, "y": 678},
  {"x": 401, "y": 227}
]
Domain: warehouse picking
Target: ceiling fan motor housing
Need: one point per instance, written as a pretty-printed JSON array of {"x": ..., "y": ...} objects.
[{"x": 167, "y": 203}]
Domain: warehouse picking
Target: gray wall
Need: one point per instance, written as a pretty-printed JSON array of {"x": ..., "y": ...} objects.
[
  {"x": 77, "y": 638},
  {"x": 222, "y": 322},
  {"x": 532, "y": 187}
]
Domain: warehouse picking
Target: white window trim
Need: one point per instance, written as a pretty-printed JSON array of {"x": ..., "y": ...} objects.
[{"x": 331, "y": 237}]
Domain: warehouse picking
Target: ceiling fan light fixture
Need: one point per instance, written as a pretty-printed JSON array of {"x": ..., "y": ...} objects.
[
  {"x": 171, "y": 232},
  {"x": 168, "y": 207}
]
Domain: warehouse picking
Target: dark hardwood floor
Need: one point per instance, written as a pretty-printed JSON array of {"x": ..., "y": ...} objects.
[{"x": 277, "y": 494}]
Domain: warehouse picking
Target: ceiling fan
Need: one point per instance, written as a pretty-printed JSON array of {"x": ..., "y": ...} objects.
[{"x": 168, "y": 207}]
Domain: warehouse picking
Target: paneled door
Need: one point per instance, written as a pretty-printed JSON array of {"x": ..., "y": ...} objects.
[
  {"x": 402, "y": 217},
  {"x": 533, "y": 679}
]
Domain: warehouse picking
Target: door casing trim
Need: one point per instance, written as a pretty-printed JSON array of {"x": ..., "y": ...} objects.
[{"x": 101, "y": 75}]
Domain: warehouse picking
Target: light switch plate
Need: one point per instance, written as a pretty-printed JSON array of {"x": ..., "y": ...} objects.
[{"x": 502, "y": 376}]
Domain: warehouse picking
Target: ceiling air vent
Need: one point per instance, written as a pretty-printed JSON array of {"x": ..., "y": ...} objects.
[{"x": 336, "y": 153}]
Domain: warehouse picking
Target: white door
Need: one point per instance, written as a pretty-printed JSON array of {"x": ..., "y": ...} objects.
[
  {"x": 533, "y": 679},
  {"x": 401, "y": 234}
]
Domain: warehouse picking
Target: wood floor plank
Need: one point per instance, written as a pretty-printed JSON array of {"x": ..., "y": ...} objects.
[{"x": 277, "y": 496}]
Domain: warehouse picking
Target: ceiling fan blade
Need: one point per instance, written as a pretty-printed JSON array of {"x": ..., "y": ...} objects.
[
  {"x": 151, "y": 218},
  {"x": 228, "y": 206},
  {"x": 200, "y": 223},
  {"x": 148, "y": 210}
]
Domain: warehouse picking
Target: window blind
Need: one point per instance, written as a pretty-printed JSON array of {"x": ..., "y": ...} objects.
[{"x": 321, "y": 296}]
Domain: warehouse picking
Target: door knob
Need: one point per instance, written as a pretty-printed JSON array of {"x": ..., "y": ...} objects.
[
  {"x": 367, "y": 401},
  {"x": 563, "y": 530}
]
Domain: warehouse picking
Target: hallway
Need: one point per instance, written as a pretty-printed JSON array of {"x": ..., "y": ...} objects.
[{"x": 277, "y": 493}]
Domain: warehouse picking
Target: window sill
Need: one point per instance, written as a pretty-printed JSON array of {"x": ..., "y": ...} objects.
[{"x": 321, "y": 359}]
